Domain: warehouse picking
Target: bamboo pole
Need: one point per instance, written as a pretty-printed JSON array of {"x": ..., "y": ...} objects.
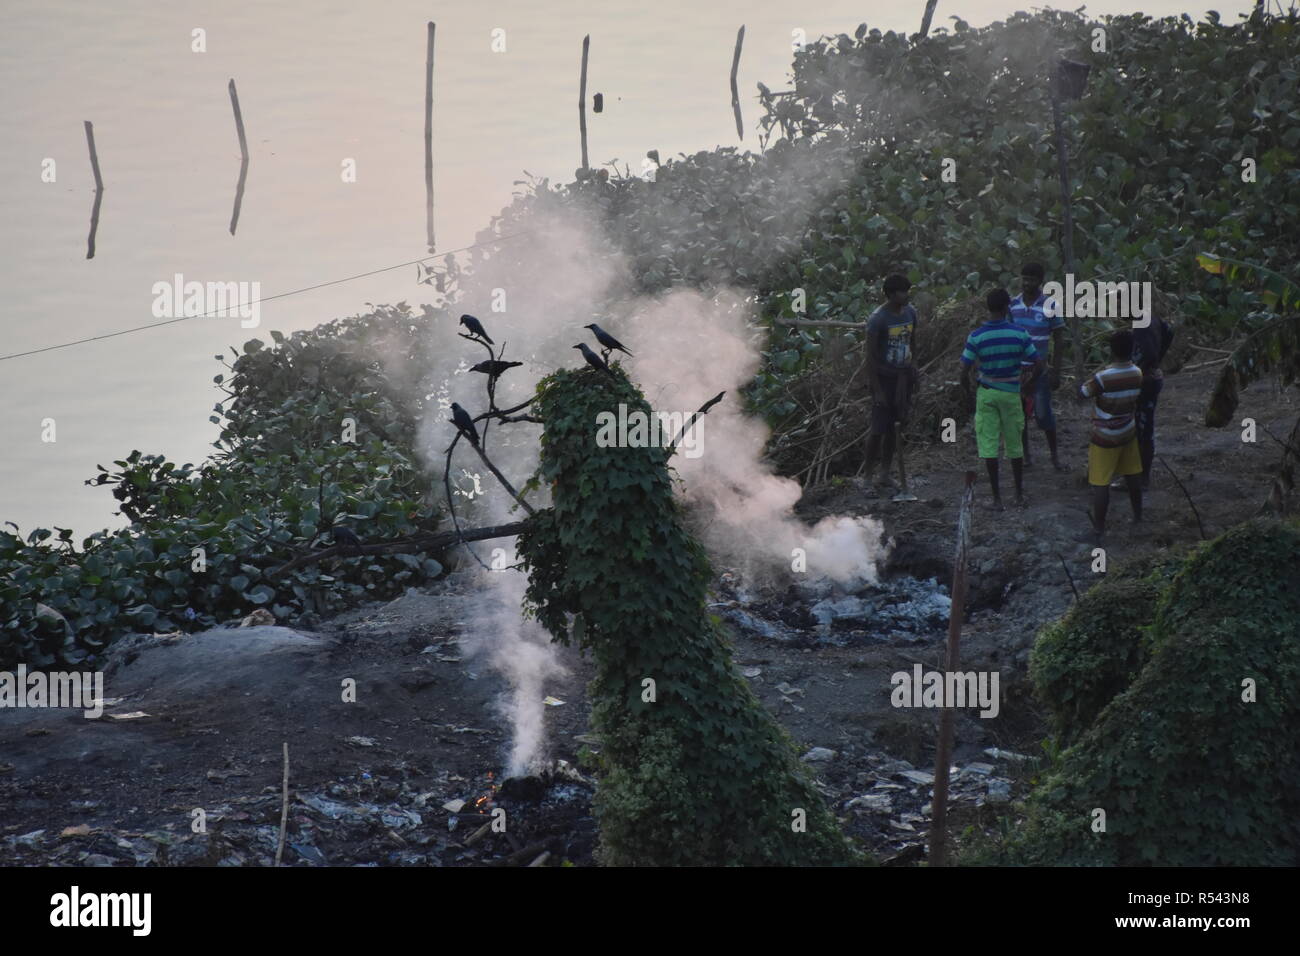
[
  {"x": 1067, "y": 239},
  {"x": 735, "y": 91},
  {"x": 99, "y": 189},
  {"x": 243, "y": 153},
  {"x": 929, "y": 15},
  {"x": 943, "y": 755},
  {"x": 582, "y": 100},
  {"x": 428, "y": 139}
]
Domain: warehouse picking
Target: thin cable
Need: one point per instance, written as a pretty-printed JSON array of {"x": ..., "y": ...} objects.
[{"x": 278, "y": 295}]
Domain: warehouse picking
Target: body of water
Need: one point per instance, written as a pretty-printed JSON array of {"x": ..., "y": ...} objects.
[{"x": 319, "y": 84}]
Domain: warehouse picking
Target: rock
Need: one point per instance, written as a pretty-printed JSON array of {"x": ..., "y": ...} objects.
[
  {"x": 98, "y": 859},
  {"x": 750, "y": 624},
  {"x": 823, "y": 612},
  {"x": 819, "y": 755},
  {"x": 785, "y": 688},
  {"x": 260, "y": 617},
  {"x": 751, "y": 672},
  {"x": 923, "y": 777},
  {"x": 981, "y": 768},
  {"x": 875, "y": 802},
  {"x": 997, "y": 754},
  {"x": 999, "y": 790}
]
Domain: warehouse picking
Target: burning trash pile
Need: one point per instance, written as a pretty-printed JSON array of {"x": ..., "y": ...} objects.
[
  {"x": 370, "y": 820},
  {"x": 897, "y": 610},
  {"x": 888, "y": 806}
]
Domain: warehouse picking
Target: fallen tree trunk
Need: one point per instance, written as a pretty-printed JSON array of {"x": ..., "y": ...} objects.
[{"x": 428, "y": 542}]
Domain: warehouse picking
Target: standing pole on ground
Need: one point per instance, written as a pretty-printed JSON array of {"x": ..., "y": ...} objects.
[
  {"x": 1067, "y": 228},
  {"x": 943, "y": 755},
  {"x": 582, "y": 100},
  {"x": 99, "y": 189},
  {"x": 428, "y": 140},
  {"x": 735, "y": 91}
]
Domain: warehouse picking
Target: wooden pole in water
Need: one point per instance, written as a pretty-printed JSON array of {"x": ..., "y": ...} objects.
[
  {"x": 239, "y": 121},
  {"x": 929, "y": 15},
  {"x": 99, "y": 189},
  {"x": 943, "y": 755},
  {"x": 243, "y": 153},
  {"x": 582, "y": 100},
  {"x": 735, "y": 91},
  {"x": 428, "y": 138}
]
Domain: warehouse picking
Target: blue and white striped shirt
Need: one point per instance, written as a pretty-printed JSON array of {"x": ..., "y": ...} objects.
[{"x": 1033, "y": 318}]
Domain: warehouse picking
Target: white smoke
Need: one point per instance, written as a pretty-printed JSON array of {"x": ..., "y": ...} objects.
[{"x": 548, "y": 284}]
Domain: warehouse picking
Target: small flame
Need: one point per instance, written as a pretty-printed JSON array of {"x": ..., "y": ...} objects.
[{"x": 484, "y": 801}]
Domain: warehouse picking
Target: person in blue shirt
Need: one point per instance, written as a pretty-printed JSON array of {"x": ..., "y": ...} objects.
[
  {"x": 998, "y": 349},
  {"x": 1041, "y": 318}
]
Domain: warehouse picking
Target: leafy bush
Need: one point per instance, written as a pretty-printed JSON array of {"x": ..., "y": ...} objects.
[
  {"x": 281, "y": 478},
  {"x": 1081, "y": 662},
  {"x": 851, "y": 186},
  {"x": 701, "y": 775},
  {"x": 1187, "y": 771}
]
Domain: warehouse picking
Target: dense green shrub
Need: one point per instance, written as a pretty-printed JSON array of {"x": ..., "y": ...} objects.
[
  {"x": 1188, "y": 772},
  {"x": 1079, "y": 663},
  {"x": 701, "y": 775},
  {"x": 850, "y": 187},
  {"x": 281, "y": 477}
]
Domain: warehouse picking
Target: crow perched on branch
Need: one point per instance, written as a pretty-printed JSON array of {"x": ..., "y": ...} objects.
[
  {"x": 464, "y": 424},
  {"x": 475, "y": 328},
  {"x": 604, "y": 338},
  {"x": 594, "y": 360},
  {"x": 494, "y": 367}
]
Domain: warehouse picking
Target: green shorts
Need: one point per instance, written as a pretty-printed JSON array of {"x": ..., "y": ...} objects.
[{"x": 998, "y": 414}]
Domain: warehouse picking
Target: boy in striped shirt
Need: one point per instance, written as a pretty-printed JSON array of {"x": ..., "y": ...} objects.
[
  {"x": 999, "y": 347},
  {"x": 1114, "y": 445}
]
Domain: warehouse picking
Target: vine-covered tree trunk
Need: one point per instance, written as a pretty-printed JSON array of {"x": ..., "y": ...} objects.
[{"x": 695, "y": 770}]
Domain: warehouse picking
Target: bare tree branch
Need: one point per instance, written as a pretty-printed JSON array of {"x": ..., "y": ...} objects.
[
  {"x": 428, "y": 542},
  {"x": 703, "y": 410}
]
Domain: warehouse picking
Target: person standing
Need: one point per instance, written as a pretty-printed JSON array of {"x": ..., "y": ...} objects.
[
  {"x": 890, "y": 330},
  {"x": 1149, "y": 347},
  {"x": 1041, "y": 318},
  {"x": 1113, "y": 448},
  {"x": 999, "y": 347}
]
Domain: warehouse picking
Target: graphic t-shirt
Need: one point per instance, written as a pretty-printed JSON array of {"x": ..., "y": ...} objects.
[
  {"x": 1000, "y": 348},
  {"x": 893, "y": 334}
]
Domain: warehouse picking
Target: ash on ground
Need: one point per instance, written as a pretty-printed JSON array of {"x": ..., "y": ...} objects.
[{"x": 897, "y": 610}]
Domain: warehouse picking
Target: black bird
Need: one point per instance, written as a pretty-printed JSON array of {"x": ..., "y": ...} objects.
[
  {"x": 604, "y": 338},
  {"x": 594, "y": 360},
  {"x": 347, "y": 538},
  {"x": 475, "y": 328},
  {"x": 494, "y": 367},
  {"x": 460, "y": 418}
]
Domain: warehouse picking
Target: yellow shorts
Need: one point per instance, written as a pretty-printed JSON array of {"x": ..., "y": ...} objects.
[{"x": 1105, "y": 463}]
